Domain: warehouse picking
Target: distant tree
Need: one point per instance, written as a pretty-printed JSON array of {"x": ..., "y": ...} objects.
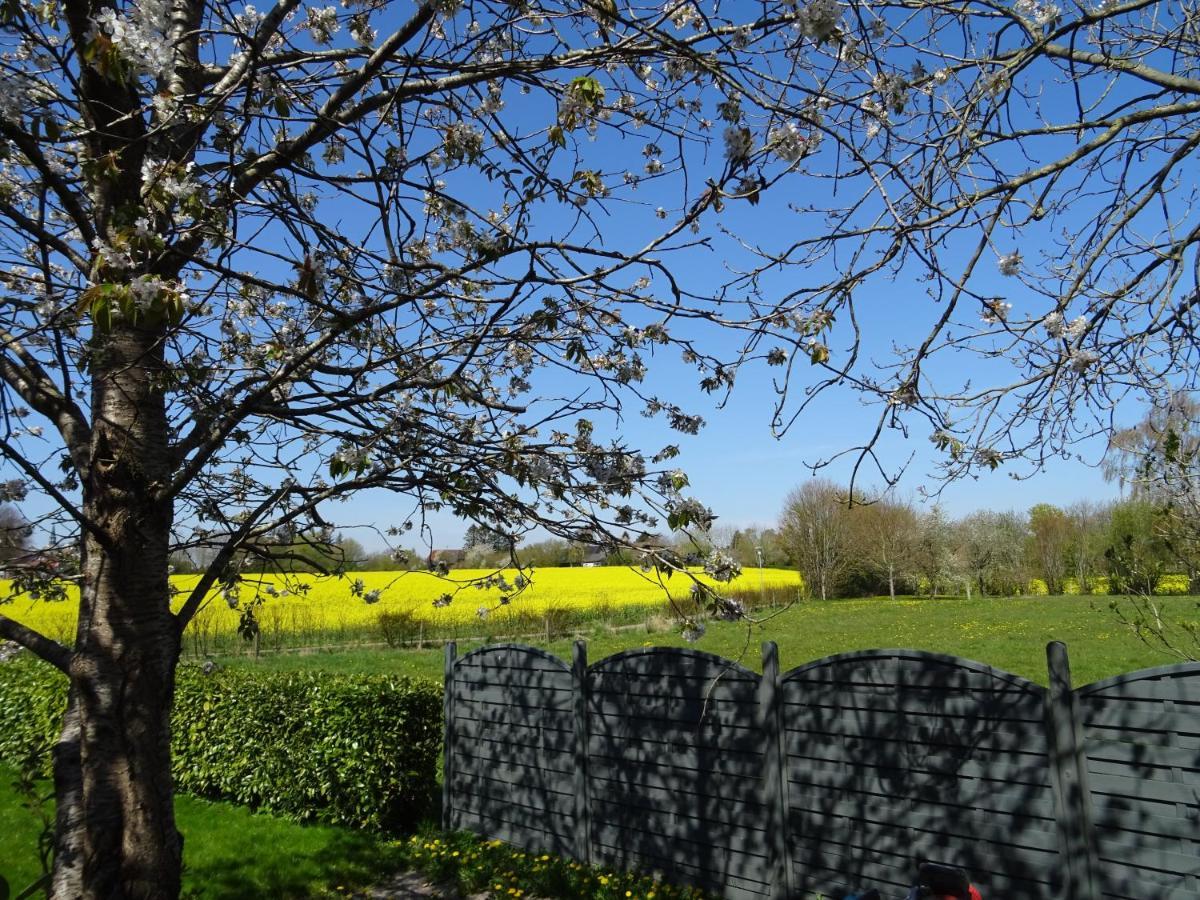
[
  {"x": 1049, "y": 541},
  {"x": 934, "y": 558},
  {"x": 14, "y": 533},
  {"x": 815, "y": 528},
  {"x": 1158, "y": 460},
  {"x": 755, "y": 545},
  {"x": 992, "y": 551},
  {"x": 488, "y": 538},
  {"x": 1137, "y": 555},
  {"x": 1088, "y": 524},
  {"x": 884, "y": 535}
]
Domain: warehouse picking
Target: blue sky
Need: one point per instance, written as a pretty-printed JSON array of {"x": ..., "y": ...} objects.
[{"x": 735, "y": 464}]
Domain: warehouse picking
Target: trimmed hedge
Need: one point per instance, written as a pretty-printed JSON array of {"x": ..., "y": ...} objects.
[{"x": 349, "y": 750}]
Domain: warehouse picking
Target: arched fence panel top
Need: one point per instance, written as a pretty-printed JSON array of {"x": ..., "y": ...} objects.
[
  {"x": 1159, "y": 683},
  {"x": 919, "y": 666},
  {"x": 675, "y": 661},
  {"x": 508, "y": 655}
]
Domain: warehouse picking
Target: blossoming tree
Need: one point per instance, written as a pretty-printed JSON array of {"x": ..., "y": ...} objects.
[{"x": 256, "y": 261}]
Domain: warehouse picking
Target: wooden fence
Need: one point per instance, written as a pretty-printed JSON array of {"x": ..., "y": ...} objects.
[{"x": 839, "y": 774}]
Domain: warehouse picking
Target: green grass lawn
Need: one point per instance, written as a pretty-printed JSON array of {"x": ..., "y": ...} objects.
[
  {"x": 229, "y": 852},
  {"x": 1008, "y": 633}
]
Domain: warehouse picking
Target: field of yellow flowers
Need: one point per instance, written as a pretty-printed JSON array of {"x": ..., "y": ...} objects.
[{"x": 298, "y": 609}]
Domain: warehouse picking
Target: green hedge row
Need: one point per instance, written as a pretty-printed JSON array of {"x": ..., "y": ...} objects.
[{"x": 350, "y": 750}]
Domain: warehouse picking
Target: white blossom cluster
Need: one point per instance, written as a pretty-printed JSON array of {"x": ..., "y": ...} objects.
[
  {"x": 462, "y": 142},
  {"x": 14, "y": 95},
  {"x": 818, "y": 19},
  {"x": 738, "y": 143},
  {"x": 141, "y": 35},
  {"x": 681, "y": 13},
  {"x": 721, "y": 566},
  {"x": 1082, "y": 360},
  {"x": 323, "y": 23},
  {"x": 876, "y": 115},
  {"x": 1041, "y": 13},
  {"x": 1010, "y": 264},
  {"x": 995, "y": 311},
  {"x": 173, "y": 180},
  {"x": 789, "y": 143}
]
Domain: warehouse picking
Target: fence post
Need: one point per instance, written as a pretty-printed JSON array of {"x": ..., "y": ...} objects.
[
  {"x": 583, "y": 800},
  {"x": 1068, "y": 775},
  {"x": 770, "y": 711},
  {"x": 448, "y": 737}
]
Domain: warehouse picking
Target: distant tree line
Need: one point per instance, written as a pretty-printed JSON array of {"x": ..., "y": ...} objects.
[{"x": 890, "y": 546}]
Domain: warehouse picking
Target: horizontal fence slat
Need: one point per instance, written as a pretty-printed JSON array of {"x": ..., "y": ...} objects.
[
  {"x": 660, "y": 780},
  {"x": 899, "y": 847},
  {"x": 516, "y": 767},
  {"x": 531, "y": 701},
  {"x": 686, "y": 761},
  {"x": 677, "y": 869},
  {"x": 541, "y": 840},
  {"x": 1137, "y": 716},
  {"x": 698, "y": 818},
  {"x": 1165, "y": 855},
  {"x": 735, "y": 862},
  {"x": 691, "y": 712},
  {"x": 929, "y": 768},
  {"x": 551, "y": 798},
  {"x": 1137, "y": 754},
  {"x": 1018, "y": 830}
]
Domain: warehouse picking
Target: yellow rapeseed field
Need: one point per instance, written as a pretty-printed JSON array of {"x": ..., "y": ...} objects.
[{"x": 337, "y": 605}]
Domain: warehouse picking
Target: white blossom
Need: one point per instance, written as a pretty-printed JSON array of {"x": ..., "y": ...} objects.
[
  {"x": 738, "y": 143},
  {"x": 681, "y": 12},
  {"x": 141, "y": 35},
  {"x": 819, "y": 19},
  {"x": 693, "y": 631},
  {"x": 1054, "y": 324},
  {"x": 1082, "y": 360},
  {"x": 1010, "y": 263},
  {"x": 995, "y": 311},
  {"x": 789, "y": 143},
  {"x": 1041, "y": 13},
  {"x": 323, "y": 23}
]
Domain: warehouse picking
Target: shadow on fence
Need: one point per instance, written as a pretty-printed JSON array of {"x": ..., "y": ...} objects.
[{"x": 839, "y": 774}]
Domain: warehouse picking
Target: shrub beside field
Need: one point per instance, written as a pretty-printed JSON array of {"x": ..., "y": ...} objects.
[
  {"x": 356, "y": 750},
  {"x": 398, "y": 607}
]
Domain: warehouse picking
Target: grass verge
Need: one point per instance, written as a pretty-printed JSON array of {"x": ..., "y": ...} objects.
[
  {"x": 1010, "y": 634},
  {"x": 229, "y": 853}
]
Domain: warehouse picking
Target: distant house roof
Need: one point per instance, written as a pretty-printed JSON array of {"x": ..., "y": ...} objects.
[
  {"x": 596, "y": 556},
  {"x": 32, "y": 559},
  {"x": 447, "y": 556}
]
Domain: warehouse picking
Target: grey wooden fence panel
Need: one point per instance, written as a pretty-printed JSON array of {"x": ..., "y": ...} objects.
[
  {"x": 851, "y": 769},
  {"x": 890, "y": 753},
  {"x": 513, "y": 774},
  {"x": 1142, "y": 745},
  {"x": 696, "y": 737}
]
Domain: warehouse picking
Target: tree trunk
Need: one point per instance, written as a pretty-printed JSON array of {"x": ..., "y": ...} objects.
[
  {"x": 892, "y": 581},
  {"x": 115, "y": 834}
]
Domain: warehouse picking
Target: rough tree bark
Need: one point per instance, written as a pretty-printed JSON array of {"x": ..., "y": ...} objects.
[{"x": 116, "y": 823}]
